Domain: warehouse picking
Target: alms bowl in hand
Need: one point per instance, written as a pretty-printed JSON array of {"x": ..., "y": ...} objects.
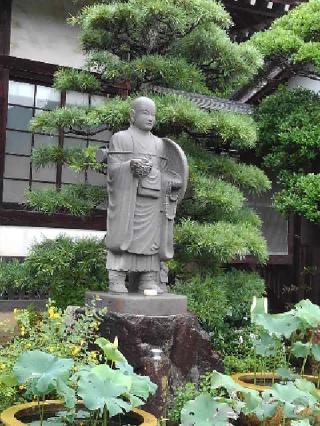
[{"x": 141, "y": 167}]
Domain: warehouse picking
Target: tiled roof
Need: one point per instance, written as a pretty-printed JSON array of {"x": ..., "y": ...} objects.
[{"x": 208, "y": 103}]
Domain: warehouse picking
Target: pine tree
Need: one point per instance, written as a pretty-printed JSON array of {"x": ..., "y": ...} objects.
[
  {"x": 184, "y": 45},
  {"x": 287, "y": 120}
]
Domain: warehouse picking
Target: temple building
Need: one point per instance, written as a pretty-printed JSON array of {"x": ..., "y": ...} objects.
[{"x": 34, "y": 42}]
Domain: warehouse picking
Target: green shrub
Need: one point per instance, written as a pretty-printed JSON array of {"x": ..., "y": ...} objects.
[
  {"x": 300, "y": 195},
  {"x": 214, "y": 297},
  {"x": 222, "y": 303},
  {"x": 206, "y": 299},
  {"x": 12, "y": 275},
  {"x": 66, "y": 268},
  {"x": 290, "y": 142},
  {"x": 76, "y": 199}
]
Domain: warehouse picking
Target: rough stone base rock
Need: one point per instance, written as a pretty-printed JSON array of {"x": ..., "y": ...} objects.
[{"x": 186, "y": 351}]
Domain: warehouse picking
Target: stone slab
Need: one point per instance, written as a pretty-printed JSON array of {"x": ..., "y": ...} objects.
[{"x": 138, "y": 304}]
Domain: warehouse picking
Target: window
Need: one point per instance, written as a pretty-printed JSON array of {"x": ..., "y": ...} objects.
[
  {"x": 274, "y": 225},
  {"x": 25, "y": 101}
]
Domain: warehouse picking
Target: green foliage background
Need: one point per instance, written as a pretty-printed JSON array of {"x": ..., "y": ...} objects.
[
  {"x": 293, "y": 39},
  {"x": 290, "y": 147},
  {"x": 62, "y": 268}
]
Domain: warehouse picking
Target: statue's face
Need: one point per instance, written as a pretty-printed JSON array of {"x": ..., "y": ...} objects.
[{"x": 144, "y": 115}]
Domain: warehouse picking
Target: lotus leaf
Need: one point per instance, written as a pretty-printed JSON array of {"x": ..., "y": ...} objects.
[
  {"x": 305, "y": 385},
  {"x": 286, "y": 373},
  {"x": 110, "y": 350},
  {"x": 266, "y": 345},
  {"x": 98, "y": 393},
  {"x": 219, "y": 380},
  {"x": 291, "y": 398},
  {"x": 279, "y": 324},
  {"x": 304, "y": 422},
  {"x": 308, "y": 312},
  {"x": 301, "y": 350},
  {"x": 141, "y": 388},
  {"x": 204, "y": 410},
  {"x": 315, "y": 350},
  {"x": 43, "y": 370}
]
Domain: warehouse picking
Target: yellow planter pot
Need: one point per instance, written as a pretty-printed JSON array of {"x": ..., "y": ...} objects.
[
  {"x": 10, "y": 417},
  {"x": 247, "y": 380}
]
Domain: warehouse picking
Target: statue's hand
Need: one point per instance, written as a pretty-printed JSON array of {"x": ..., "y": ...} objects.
[
  {"x": 141, "y": 167},
  {"x": 175, "y": 181}
]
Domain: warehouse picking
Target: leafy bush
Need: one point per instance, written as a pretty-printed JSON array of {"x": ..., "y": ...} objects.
[
  {"x": 71, "y": 79},
  {"x": 12, "y": 275},
  {"x": 289, "y": 138},
  {"x": 222, "y": 302},
  {"x": 67, "y": 269},
  {"x": 218, "y": 242},
  {"x": 301, "y": 195},
  {"x": 290, "y": 143}
]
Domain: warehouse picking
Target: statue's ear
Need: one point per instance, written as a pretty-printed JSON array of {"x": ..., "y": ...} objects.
[{"x": 132, "y": 116}]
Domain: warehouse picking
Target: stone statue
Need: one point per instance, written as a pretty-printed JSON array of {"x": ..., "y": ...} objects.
[{"x": 147, "y": 177}]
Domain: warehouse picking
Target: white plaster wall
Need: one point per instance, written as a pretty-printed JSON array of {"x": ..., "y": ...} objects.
[
  {"x": 17, "y": 240},
  {"x": 305, "y": 82},
  {"x": 40, "y": 32}
]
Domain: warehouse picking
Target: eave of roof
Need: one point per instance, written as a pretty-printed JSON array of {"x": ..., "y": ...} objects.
[{"x": 208, "y": 103}]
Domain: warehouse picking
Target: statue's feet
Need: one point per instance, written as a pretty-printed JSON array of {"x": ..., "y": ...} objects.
[
  {"x": 163, "y": 287},
  {"x": 149, "y": 286},
  {"x": 117, "y": 288}
]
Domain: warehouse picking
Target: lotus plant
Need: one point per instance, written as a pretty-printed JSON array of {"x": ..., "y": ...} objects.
[
  {"x": 106, "y": 389},
  {"x": 296, "y": 330},
  {"x": 296, "y": 403}
]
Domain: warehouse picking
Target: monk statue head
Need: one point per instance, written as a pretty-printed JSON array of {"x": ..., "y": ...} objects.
[{"x": 143, "y": 113}]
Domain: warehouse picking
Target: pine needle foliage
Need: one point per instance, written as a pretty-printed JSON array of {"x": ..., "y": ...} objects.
[
  {"x": 79, "y": 159},
  {"x": 71, "y": 79},
  {"x": 294, "y": 38},
  {"x": 174, "y": 113},
  {"x": 78, "y": 200}
]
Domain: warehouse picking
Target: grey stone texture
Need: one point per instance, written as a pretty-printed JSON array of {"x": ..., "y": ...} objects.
[{"x": 138, "y": 304}]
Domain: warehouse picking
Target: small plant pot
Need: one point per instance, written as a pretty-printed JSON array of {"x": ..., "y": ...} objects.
[
  {"x": 259, "y": 381},
  {"x": 263, "y": 380},
  {"x": 15, "y": 415},
  {"x": 252, "y": 419},
  {"x": 263, "y": 383}
]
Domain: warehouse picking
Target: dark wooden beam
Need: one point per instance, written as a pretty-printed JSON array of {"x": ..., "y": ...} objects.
[
  {"x": 5, "y": 26},
  {"x": 5, "y": 31},
  {"x": 15, "y": 217},
  {"x": 250, "y": 10}
]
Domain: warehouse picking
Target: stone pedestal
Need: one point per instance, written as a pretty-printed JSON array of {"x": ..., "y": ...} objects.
[
  {"x": 186, "y": 351},
  {"x": 138, "y": 304}
]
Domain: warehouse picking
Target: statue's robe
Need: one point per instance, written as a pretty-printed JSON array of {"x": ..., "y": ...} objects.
[{"x": 135, "y": 204}]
